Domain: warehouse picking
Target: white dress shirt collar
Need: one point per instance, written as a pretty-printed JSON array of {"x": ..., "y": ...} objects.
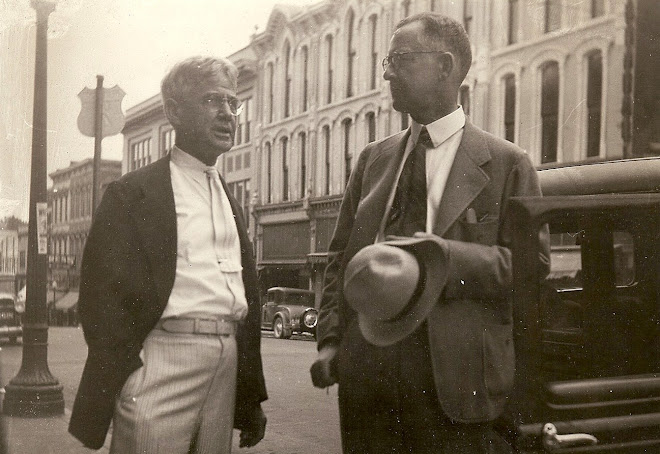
[
  {"x": 442, "y": 128},
  {"x": 184, "y": 160}
]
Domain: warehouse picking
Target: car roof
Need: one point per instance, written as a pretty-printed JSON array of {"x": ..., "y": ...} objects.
[{"x": 601, "y": 177}]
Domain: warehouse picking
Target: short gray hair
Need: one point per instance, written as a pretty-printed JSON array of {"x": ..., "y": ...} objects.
[
  {"x": 192, "y": 71},
  {"x": 438, "y": 27}
]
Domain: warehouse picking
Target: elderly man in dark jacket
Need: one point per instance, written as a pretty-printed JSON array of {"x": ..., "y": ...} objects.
[{"x": 169, "y": 298}]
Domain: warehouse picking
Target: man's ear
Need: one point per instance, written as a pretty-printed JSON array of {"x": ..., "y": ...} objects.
[
  {"x": 171, "y": 108},
  {"x": 447, "y": 63}
]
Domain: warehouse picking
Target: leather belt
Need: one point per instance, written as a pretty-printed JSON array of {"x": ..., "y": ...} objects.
[{"x": 217, "y": 327}]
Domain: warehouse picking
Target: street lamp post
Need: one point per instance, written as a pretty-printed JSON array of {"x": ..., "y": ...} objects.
[{"x": 34, "y": 391}]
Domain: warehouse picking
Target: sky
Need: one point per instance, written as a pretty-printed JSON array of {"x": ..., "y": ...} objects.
[{"x": 132, "y": 43}]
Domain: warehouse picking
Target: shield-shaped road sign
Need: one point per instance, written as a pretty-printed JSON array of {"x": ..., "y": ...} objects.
[{"x": 113, "y": 117}]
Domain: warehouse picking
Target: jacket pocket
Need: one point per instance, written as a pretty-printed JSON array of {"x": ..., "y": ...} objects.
[
  {"x": 499, "y": 359},
  {"x": 133, "y": 383},
  {"x": 484, "y": 232}
]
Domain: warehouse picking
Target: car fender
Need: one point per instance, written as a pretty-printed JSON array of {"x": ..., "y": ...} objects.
[{"x": 285, "y": 314}]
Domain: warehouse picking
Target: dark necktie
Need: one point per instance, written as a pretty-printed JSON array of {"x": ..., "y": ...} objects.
[{"x": 408, "y": 213}]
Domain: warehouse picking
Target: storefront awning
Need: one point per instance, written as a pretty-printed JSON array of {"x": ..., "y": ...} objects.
[{"x": 67, "y": 301}]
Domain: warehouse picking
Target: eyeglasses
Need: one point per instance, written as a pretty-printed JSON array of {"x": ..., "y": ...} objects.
[
  {"x": 395, "y": 58},
  {"x": 217, "y": 103}
]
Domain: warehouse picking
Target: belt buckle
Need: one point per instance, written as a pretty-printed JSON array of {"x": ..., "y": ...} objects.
[{"x": 203, "y": 326}]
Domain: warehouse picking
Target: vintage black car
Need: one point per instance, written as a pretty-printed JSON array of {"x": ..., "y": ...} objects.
[
  {"x": 10, "y": 323},
  {"x": 587, "y": 333},
  {"x": 289, "y": 310}
]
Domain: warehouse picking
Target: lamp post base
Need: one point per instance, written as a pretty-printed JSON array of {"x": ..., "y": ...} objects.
[
  {"x": 34, "y": 392},
  {"x": 33, "y": 401}
]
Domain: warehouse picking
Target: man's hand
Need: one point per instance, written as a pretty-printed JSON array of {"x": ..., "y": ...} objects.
[
  {"x": 322, "y": 369},
  {"x": 256, "y": 429}
]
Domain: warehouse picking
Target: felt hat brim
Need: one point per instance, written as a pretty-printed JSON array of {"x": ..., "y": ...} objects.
[{"x": 433, "y": 257}]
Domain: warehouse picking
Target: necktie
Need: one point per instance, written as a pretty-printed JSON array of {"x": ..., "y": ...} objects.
[
  {"x": 225, "y": 235},
  {"x": 408, "y": 212}
]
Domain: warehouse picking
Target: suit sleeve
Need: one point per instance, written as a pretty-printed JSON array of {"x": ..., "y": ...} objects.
[
  {"x": 330, "y": 324},
  {"x": 479, "y": 271}
]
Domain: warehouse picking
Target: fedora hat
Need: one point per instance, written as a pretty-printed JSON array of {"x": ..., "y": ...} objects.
[{"x": 394, "y": 285}]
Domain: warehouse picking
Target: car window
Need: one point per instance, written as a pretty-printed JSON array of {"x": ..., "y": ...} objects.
[
  {"x": 596, "y": 311},
  {"x": 566, "y": 260},
  {"x": 299, "y": 299}
]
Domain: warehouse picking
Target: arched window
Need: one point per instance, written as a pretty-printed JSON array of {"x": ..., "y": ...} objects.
[
  {"x": 270, "y": 74},
  {"x": 285, "y": 168},
  {"x": 549, "y": 111},
  {"x": 552, "y": 15},
  {"x": 328, "y": 47},
  {"x": 350, "y": 54},
  {"x": 373, "y": 69},
  {"x": 304, "y": 55},
  {"x": 287, "y": 80},
  {"x": 464, "y": 98},
  {"x": 303, "y": 163},
  {"x": 404, "y": 121},
  {"x": 348, "y": 155},
  {"x": 269, "y": 173},
  {"x": 326, "y": 169},
  {"x": 514, "y": 13},
  {"x": 467, "y": 17},
  {"x": 371, "y": 126},
  {"x": 597, "y": 8},
  {"x": 509, "y": 82},
  {"x": 594, "y": 101},
  {"x": 405, "y": 8}
]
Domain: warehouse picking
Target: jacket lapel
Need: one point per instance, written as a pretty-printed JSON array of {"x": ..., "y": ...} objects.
[
  {"x": 154, "y": 215},
  {"x": 466, "y": 178},
  {"x": 382, "y": 170}
]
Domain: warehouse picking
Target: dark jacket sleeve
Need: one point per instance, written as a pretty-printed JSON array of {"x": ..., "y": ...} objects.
[
  {"x": 330, "y": 324},
  {"x": 108, "y": 306},
  {"x": 250, "y": 385}
]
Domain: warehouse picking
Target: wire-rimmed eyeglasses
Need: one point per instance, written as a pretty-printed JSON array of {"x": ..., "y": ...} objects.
[
  {"x": 217, "y": 103},
  {"x": 395, "y": 57}
]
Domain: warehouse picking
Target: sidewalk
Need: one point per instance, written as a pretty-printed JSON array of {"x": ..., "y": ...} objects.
[{"x": 44, "y": 436}]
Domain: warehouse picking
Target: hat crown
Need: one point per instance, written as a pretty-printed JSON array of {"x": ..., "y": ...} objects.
[{"x": 380, "y": 281}]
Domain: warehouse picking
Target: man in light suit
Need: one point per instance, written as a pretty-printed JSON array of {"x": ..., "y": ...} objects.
[
  {"x": 439, "y": 389},
  {"x": 169, "y": 298}
]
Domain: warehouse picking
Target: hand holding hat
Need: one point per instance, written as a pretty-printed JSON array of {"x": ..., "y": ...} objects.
[{"x": 394, "y": 285}]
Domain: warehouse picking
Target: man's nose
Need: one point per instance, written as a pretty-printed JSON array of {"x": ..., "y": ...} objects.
[
  {"x": 224, "y": 109},
  {"x": 387, "y": 74}
]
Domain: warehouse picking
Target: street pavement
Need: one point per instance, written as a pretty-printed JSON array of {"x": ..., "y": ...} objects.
[{"x": 301, "y": 418}]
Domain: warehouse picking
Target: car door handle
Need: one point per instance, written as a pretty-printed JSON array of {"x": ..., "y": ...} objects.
[{"x": 552, "y": 440}]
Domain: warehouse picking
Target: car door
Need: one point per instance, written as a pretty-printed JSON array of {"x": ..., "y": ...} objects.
[
  {"x": 268, "y": 310},
  {"x": 586, "y": 330}
]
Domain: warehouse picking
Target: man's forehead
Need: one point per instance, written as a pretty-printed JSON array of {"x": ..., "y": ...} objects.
[
  {"x": 408, "y": 37},
  {"x": 220, "y": 83}
]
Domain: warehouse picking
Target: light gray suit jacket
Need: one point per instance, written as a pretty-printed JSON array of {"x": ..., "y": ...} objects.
[{"x": 470, "y": 329}]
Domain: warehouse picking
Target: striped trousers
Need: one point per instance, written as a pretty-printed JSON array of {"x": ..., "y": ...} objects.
[{"x": 181, "y": 401}]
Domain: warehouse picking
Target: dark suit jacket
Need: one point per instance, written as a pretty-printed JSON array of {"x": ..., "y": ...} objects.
[
  {"x": 127, "y": 274},
  {"x": 470, "y": 329}
]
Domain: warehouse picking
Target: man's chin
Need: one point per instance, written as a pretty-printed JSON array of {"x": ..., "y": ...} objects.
[
  {"x": 398, "y": 105},
  {"x": 223, "y": 145}
]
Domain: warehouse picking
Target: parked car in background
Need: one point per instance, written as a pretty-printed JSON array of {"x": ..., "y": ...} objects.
[
  {"x": 289, "y": 310},
  {"x": 10, "y": 323}
]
